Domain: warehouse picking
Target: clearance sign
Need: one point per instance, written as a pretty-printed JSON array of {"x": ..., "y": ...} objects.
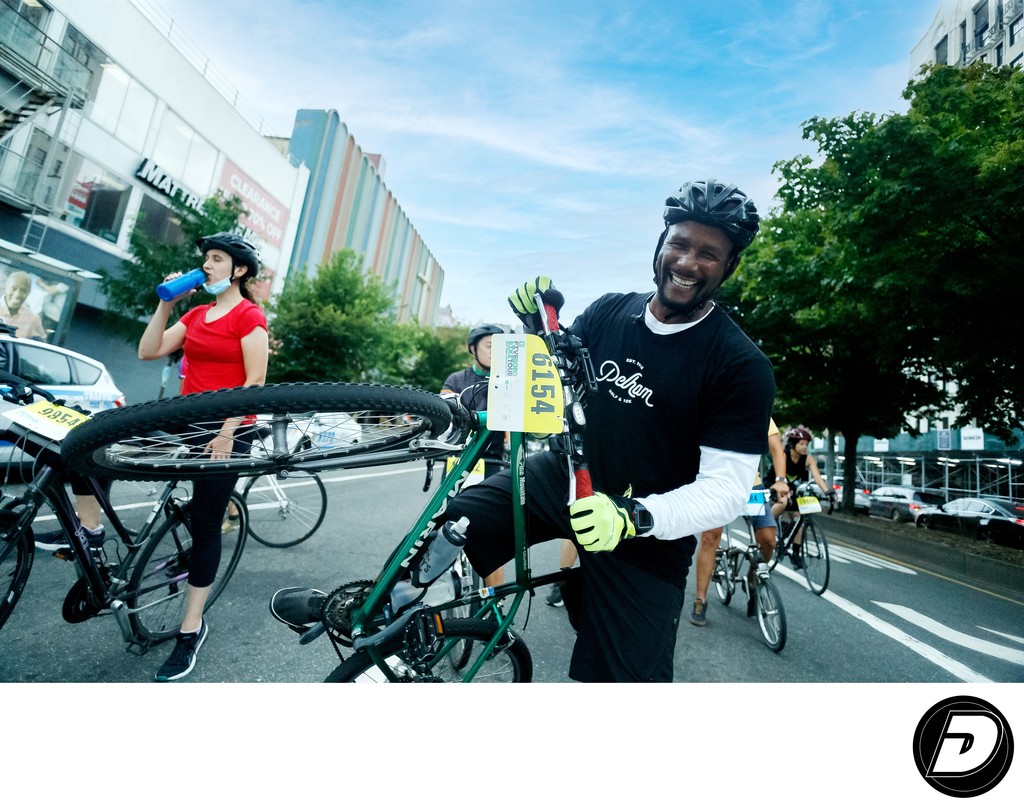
[
  {"x": 265, "y": 216},
  {"x": 524, "y": 393}
]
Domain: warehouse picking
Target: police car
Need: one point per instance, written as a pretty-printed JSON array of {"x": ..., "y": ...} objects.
[{"x": 78, "y": 379}]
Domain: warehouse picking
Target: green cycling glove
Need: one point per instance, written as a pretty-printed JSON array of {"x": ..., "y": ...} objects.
[
  {"x": 600, "y": 521},
  {"x": 523, "y": 304}
]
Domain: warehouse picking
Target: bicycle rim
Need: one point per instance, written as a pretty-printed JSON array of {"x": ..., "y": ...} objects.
[
  {"x": 771, "y": 616},
  {"x": 510, "y": 662},
  {"x": 312, "y": 426},
  {"x": 285, "y": 511},
  {"x": 16, "y": 554},
  {"x": 159, "y": 579},
  {"x": 814, "y": 553}
]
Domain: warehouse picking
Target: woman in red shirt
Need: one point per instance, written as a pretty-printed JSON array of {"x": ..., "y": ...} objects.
[{"x": 226, "y": 345}]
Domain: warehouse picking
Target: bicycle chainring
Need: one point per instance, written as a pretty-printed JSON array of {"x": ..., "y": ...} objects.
[
  {"x": 340, "y": 605},
  {"x": 78, "y": 606}
]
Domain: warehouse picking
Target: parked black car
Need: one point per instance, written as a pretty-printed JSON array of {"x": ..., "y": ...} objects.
[
  {"x": 985, "y": 518},
  {"x": 901, "y": 504}
]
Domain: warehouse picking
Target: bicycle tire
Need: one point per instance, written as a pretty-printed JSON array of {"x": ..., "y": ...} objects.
[
  {"x": 771, "y": 615},
  {"x": 17, "y": 551},
  {"x": 159, "y": 576},
  {"x": 815, "y": 556},
  {"x": 326, "y": 426},
  {"x": 723, "y": 581},
  {"x": 286, "y": 512},
  {"x": 512, "y": 662},
  {"x": 781, "y": 547}
]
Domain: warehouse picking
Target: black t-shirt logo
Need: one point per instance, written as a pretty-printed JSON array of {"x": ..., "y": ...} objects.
[{"x": 963, "y": 746}]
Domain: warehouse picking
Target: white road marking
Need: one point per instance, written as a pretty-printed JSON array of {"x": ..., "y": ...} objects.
[
  {"x": 952, "y": 635},
  {"x": 933, "y": 655}
]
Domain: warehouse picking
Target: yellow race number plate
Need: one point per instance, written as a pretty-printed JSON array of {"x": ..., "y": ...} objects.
[
  {"x": 524, "y": 393},
  {"x": 47, "y": 419}
]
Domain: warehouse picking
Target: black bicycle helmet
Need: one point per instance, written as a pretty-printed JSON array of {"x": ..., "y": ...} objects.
[
  {"x": 240, "y": 250},
  {"x": 480, "y": 332},
  {"x": 716, "y": 204}
]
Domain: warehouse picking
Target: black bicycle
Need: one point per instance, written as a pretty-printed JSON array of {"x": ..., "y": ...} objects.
[
  {"x": 139, "y": 575},
  {"x": 743, "y": 566},
  {"x": 803, "y": 541}
]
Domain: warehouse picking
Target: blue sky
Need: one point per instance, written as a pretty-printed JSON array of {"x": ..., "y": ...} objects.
[{"x": 542, "y": 138}]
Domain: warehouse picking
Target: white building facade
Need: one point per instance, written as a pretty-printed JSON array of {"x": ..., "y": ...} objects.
[
  {"x": 963, "y": 31},
  {"x": 104, "y": 116}
]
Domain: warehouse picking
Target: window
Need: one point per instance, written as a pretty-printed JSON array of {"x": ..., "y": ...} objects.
[
  {"x": 999, "y": 54},
  {"x": 86, "y": 372},
  {"x": 184, "y": 155},
  {"x": 159, "y": 222},
  {"x": 942, "y": 51},
  {"x": 980, "y": 24},
  {"x": 1015, "y": 27},
  {"x": 41, "y": 366},
  {"x": 95, "y": 199},
  {"x": 122, "y": 106},
  {"x": 964, "y": 46}
]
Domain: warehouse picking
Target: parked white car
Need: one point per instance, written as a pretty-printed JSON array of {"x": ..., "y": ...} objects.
[{"x": 75, "y": 378}]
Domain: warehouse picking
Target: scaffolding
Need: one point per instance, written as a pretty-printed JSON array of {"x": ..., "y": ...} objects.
[{"x": 951, "y": 474}]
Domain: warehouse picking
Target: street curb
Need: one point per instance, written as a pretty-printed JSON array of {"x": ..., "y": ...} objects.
[{"x": 989, "y": 573}]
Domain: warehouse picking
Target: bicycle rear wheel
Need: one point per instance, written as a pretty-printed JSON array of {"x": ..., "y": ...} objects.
[
  {"x": 510, "y": 662},
  {"x": 300, "y": 426},
  {"x": 724, "y": 584},
  {"x": 285, "y": 511},
  {"x": 159, "y": 578},
  {"x": 771, "y": 616},
  {"x": 17, "y": 550},
  {"x": 814, "y": 553}
]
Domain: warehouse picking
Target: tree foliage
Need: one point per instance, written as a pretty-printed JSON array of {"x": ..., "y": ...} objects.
[
  {"x": 330, "y": 327},
  {"x": 890, "y": 262},
  {"x": 130, "y": 293}
]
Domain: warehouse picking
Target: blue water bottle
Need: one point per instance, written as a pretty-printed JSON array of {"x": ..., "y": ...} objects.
[{"x": 184, "y": 283}]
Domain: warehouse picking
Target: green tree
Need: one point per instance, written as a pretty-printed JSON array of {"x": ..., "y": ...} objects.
[
  {"x": 336, "y": 326},
  {"x": 889, "y": 262},
  {"x": 420, "y": 356}
]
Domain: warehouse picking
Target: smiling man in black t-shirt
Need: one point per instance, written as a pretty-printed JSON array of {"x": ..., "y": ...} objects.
[{"x": 674, "y": 436}]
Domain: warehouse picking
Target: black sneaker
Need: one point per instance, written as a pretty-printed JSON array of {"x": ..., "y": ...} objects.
[
  {"x": 183, "y": 658},
  {"x": 58, "y": 539},
  {"x": 299, "y": 609},
  {"x": 798, "y": 562},
  {"x": 752, "y": 601},
  {"x": 555, "y": 596}
]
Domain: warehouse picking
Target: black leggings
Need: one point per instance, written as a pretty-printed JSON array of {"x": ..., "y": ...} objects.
[{"x": 210, "y": 497}]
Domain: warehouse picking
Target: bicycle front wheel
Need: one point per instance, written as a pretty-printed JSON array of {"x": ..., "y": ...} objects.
[
  {"x": 771, "y": 616},
  {"x": 159, "y": 578},
  {"x": 296, "y": 426},
  {"x": 509, "y": 662},
  {"x": 286, "y": 510},
  {"x": 17, "y": 550},
  {"x": 814, "y": 553}
]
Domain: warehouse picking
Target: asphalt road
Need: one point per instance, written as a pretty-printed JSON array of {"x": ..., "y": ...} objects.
[{"x": 882, "y": 620}]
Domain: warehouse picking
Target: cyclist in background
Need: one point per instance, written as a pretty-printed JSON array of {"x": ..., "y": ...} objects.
[
  {"x": 764, "y": 533},
  {"x": 470, "y": 384},
  {"x": 674, "y": 435},
  {"x": 800, "y": 467}
]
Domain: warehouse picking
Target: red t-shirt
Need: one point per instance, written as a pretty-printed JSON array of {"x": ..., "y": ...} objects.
[{"x": 213, "y": 351}]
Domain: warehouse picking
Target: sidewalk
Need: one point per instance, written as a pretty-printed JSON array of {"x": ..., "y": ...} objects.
[{"x": 942, "y": 553}]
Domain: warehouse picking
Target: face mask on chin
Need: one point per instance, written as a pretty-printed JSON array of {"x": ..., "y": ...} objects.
[{"x": 218, "y": 287}]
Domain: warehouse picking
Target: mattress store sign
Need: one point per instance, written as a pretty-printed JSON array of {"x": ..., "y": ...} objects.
[
  {"x": 264, "y": 216},
  {"x": 150, "y": 173}
]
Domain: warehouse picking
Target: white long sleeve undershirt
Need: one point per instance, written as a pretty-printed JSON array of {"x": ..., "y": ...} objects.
[{"x": 712, "y": 500}]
